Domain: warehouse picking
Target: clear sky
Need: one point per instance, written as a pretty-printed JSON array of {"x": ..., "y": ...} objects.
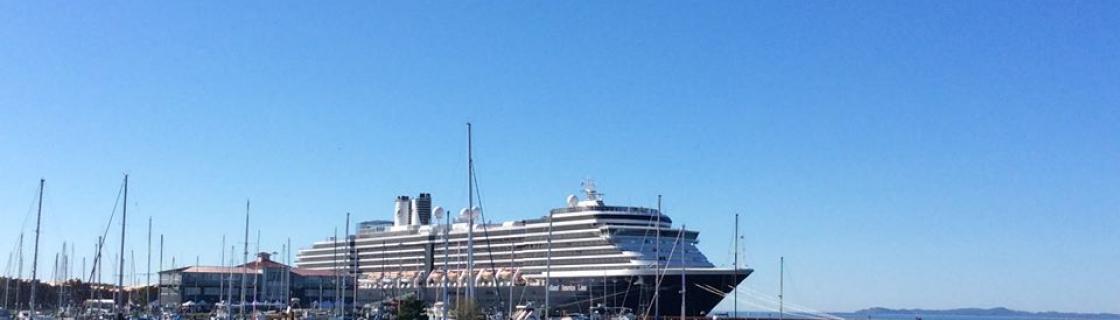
[{"x": 928, "y": 154}]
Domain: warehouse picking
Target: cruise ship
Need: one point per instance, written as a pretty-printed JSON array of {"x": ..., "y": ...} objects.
[{"x": 585, "y": 255}]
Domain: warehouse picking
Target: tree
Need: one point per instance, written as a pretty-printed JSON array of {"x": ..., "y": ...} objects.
[
  {"x": 411, "y": 309},
  {"x": 468, "y": 310}
]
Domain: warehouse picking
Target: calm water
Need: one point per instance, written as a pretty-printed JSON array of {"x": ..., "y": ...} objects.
[
  {"x": 960, "y": 317},
  {"x": 907, "y": 316}
]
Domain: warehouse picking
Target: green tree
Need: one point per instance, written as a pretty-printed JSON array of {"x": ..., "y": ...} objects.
[
  {"x": 468, "y": 310},
  {"x": 411, "y": 309}
]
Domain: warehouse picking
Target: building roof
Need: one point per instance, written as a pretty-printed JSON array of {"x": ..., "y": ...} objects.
[{"x": 262, "y": 262}]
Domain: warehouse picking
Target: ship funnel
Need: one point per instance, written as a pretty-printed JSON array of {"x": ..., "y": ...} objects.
[
  {"x": 423, "y": 208},
  {"x": 403, "y": 211}
]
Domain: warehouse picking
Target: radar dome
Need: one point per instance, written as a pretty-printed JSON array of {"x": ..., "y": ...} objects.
[
  {"x": 572, "y": 201},
  {"x": 438, "y": 212}
]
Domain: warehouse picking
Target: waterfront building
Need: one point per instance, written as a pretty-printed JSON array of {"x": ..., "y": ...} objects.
[{"x": 266, "y": 281}]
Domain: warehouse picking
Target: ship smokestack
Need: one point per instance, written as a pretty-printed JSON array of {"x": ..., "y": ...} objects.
[
  {"x": 414, "y": 214},
  {"x": 423, "y": 208},
  {"x": 403, "y": 210}
]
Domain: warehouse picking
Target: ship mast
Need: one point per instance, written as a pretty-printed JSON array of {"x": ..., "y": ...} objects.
[{"x": 35, "y": 253}]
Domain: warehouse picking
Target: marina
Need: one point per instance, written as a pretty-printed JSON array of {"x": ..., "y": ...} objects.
[{"x": 585, "y": 260}]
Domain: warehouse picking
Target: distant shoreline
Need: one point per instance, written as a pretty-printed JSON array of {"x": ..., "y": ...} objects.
[{"x": 979, "y": 312}]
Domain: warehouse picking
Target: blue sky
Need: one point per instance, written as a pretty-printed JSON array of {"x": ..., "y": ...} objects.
[{"x": 902, "y": 154}]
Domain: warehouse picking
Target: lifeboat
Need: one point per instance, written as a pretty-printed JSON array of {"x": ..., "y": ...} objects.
[{"x": 435, "y": 277}]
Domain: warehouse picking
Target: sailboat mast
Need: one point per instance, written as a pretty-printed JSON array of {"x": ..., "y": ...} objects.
[
  {"x": 548, "y": 267},
  {"x": 148, "y": 274},
  {"x": 736, "y": 238},
  {"x": 159, "y": 297},
  {"x": 19, "y": 270},
  {"x": 120, "y": 266},
  {"x": 288, "y": 273},
  {"x": 8, "y": 273},
  {"x": 349, "y": 255},
  {"x": 229, "y": 286},
  {"x": 222, "y": 283},
  {"x": 35, "y": 253},
  {"x": 781, "y": 287},
  {"x": 683, "y": 287},
  {"x": 470, "y": 215},
  {"x": 334, "y": 269},
  {"x": 256, "y": 277},
  {"x": 245, "y": 257},
  {"x": 657, "y": 266},
  {"x": 446, "y": 269},
  {"x": 55, "y": 275}
]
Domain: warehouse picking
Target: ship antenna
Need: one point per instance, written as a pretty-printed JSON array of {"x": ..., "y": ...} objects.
[{"x": 590, "y": 190}]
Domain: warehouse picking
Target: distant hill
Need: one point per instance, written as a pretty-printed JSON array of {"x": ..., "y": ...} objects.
[{"x": 994, "y": 312}]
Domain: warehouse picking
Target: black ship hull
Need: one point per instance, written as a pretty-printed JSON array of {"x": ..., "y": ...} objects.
[{"x": 641, "y": 294}]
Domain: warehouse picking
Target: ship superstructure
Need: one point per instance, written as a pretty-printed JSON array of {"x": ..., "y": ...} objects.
[{"x": 601, "y": 255}]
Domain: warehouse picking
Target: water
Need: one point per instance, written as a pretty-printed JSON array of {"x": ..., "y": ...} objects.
[
  {"x": 915, "y": 316},
  {"x": 911, "y": 316}
]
